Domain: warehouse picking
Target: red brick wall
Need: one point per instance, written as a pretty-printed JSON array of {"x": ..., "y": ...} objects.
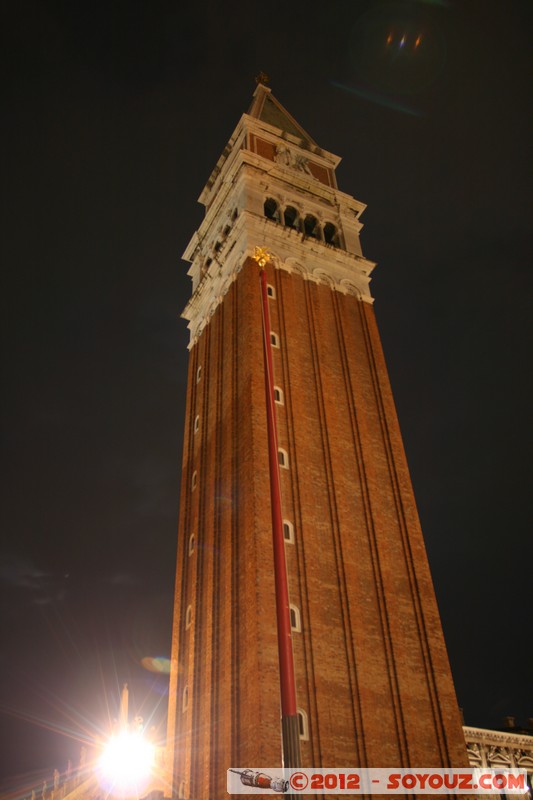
[
  {"x": 228, "y": 657},
  {"x": 371, "y": 666}
]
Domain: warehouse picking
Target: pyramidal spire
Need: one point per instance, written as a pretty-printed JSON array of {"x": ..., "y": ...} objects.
[{"x": 266, "y": 108}]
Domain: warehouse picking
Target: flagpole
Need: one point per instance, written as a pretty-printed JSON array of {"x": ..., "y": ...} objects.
[{"x": 289, "y": 712}]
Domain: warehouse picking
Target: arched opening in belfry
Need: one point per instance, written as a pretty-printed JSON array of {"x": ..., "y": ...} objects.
[
  {"x": 331, "y": 234},
  {"x": 271, "y": 209},
  {"x": 290, "y": 218},
  {"x": 311, "y": 227}
]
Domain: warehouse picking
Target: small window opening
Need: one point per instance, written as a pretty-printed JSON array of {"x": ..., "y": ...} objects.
[
  {"x": 290, "y": 218},
  {"x": 188, "y": 617},
  {"x": 197, "y": 423},
  {"x": 283, "y": 458},
  {"x": 235, "y": 214},
  {"x": 217, "y": 247},
  {"x": 193, "y": 481},
  {"x": 198, "y": 374},
  {"x": 191, "y": 544},
  {"x": 271, "y": 292},
  {"x": 288, "y": 531},
  {"x": 278, "y": 396},
  {"x": 274, "y": 340},
  {"x": 303, "y": 725},
  {"x": 311, "y": 227},
  {"x": 296, "y": 622},
  {"x": 205, "y": 267},
  {"x": 271, "y": 209},
  {"x": 331, "y": 235},
  {"x": 185, "y": 699},
  {"x": 227, "y": 230}
]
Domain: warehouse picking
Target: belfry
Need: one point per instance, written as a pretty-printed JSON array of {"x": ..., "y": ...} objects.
[{"x": 305, "y": 623}]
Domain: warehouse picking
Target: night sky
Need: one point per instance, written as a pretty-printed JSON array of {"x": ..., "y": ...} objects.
[{"x": 113, "y": 117}]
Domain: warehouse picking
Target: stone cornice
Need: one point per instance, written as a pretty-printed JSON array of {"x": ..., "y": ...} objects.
[
  {"x": 312, "y": 260},
  {"x": 486, "y": 736}
]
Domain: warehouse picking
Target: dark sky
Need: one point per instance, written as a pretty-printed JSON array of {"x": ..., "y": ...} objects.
[{"x": 113, "y": 117}]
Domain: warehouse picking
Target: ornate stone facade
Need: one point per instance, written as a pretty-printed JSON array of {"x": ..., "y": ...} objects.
[
  {"x": 500, "y": 750},
  {"x": 256, "y": 168}
]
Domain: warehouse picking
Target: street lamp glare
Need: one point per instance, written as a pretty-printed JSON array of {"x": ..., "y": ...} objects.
[{"x": 126, "y": 764}]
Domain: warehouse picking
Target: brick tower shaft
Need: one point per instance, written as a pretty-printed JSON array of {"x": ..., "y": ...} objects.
[{"x": 373, "y": 681}]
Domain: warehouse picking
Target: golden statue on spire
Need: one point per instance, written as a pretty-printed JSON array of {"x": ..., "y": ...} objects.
[{"x": 262, "y": 78}]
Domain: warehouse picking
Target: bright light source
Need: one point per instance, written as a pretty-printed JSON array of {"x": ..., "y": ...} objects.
[{"x": 126, "y": 764}]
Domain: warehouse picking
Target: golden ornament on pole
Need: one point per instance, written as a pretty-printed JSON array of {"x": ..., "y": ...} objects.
[{"x": 261, "y": 255}]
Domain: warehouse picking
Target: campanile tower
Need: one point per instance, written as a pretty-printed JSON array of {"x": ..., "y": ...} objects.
[{"x": 372, "y": 678}]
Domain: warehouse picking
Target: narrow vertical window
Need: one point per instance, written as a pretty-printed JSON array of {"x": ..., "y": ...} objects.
[
  {"x": 296, "y": 622},
  {"x": 278, "y": 396},
  {"x": 193, "y": 480},
  {"x": 185, "y": 699},
  {"x": 303, "y": 725},
  {"x": 188, "y": 617},
  {"x": 288, "y": 531},
  {"x": 283, "y": 458},
  {"x": 198, "y": 374},
  {"x": 274, "y": 339},
  {"x": 271, "y": 292},
  {"x": 196, "y": 423},
  {"x": 191, "y": 544}
]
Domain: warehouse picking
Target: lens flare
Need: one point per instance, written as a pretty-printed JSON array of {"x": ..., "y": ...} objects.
[
  {"x": 160, "y": 665},
  {"x": 125, "y": 766},
  {"x": 380, "y": 99}
]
